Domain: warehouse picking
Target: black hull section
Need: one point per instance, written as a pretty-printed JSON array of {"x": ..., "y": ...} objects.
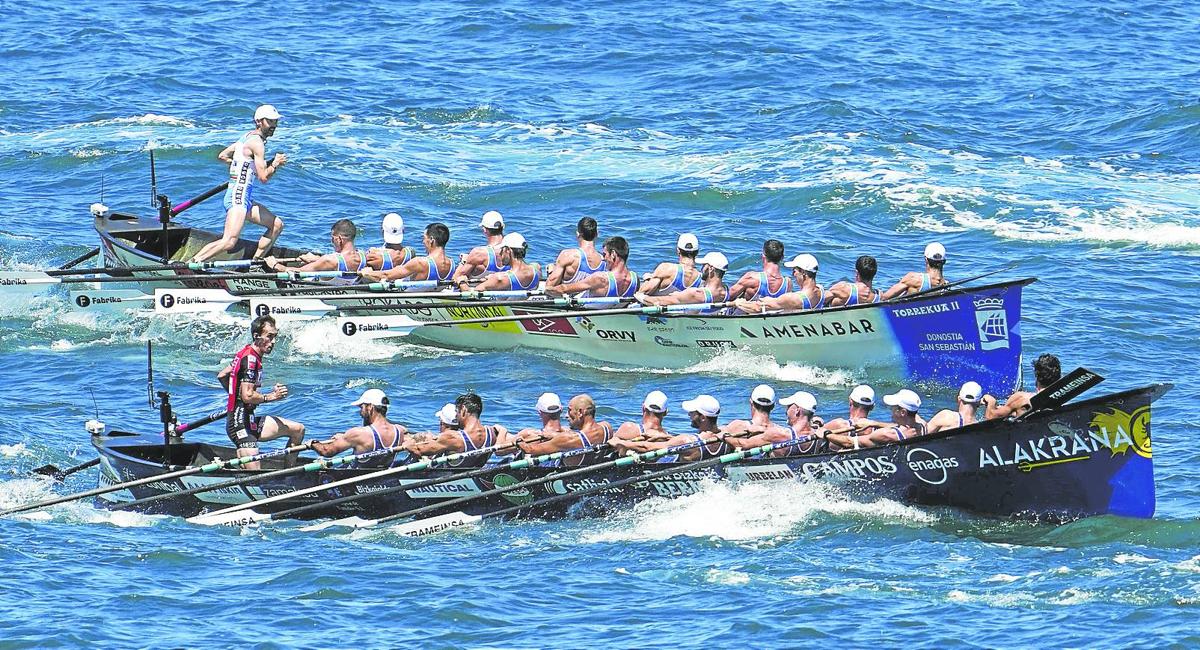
[{"x": 1088, "y": 458}]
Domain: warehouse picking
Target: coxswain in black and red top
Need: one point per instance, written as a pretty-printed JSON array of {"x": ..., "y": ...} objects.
[
  {"x": 242, "y": 380},
  {"x": 376, "y": 434},
  {"x": 471, "y": 436}
]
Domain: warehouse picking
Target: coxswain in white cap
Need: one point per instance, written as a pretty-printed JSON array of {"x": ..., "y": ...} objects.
[
  {"x": 650, "y": 427},
  {"x": 806, "y": 293},
  {"x": 670, "y": 277},
  {"x": 484, "y": 260},
  {"x": 970, "y": 396},
  {"x": 394, "y": 253},
  {"x": 575, "y": 264},
  {"x": 711, "y": 290},
  {"x": 859, "y": 292},
  {"x": 376, "y": 433},
  {"x": 248, "y": 166},
  {"x": 585, "y": 433},
  {"x": 520, "y": 275},
  {"x": 935, "y": 259}
]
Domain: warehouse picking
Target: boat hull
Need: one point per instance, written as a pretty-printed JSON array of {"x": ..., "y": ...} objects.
[{"x": 1089, "y": 458}]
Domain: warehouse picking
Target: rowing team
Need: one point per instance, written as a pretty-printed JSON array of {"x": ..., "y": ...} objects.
[
  {"x": 500, "y": 264},
  {"x": 461, "y": 430}
]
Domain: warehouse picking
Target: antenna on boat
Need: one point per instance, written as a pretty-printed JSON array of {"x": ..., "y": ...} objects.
[
  {"x": 150, "y": 374},
  {"x": 153, "y": 178},
  {"x": 164, "y": 208},
  {"x": 163, "y": 403}
]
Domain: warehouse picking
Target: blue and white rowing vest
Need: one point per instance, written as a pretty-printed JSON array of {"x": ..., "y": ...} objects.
[
  {"x": 677, "y": 283},
  {"x": 376, "y": 445},
  {"x": 805, "y": 304},
  {"x": 764, "y": 291},
  {"x": 612, "y": 286},
  {"x": 386, "y": 254},
  {"x": 242, "y": 176},
  {"x": 515, "y": 283},
  {"x": 433, "y": 273},
  {"x": 584, "y": 269},
  {"x": 853, "y": 299}
]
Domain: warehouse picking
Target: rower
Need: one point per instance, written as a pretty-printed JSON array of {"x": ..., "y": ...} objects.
[
  {"x": 702, "y": 412},
  {"x": 242, "y": 380},
  {"x": 434, "y": 265},
  {"x": 712, "y": 289},
  {"x": 862, "y": 400},
  {"x": 801, "y": 417},
  {"x": 671, "y": 277},
  {"x": 617, "y": 281},
  {"x": 375, "y": 433},
  {"x": 654, "y": 409},
  {"x": 344, "y": 258},
  {"x": 969, "y": 397},
  {"x": 768, "y": 283},
  {"x": 935, "y": 259},
  {"x": 759, "y": 429},
  {"x": 472, "y": 435},
  {"x": 520, "y": 275},
  {"x": 575, "y": 264},
  {"x": 806, "y": 294},
  {"x": 394, "y": 253},
  {"x": 585, "y": 433},
  {"x": 247, "y": 159},
  {"x": 1046, "y": 370},
  {"x": 447, "y": 418},
  {"x": 848, "y": 294},
  {"x": 905, "y": 424},
  {"x": 483, "y": 260},
  {"x": 549, "y": 409}
]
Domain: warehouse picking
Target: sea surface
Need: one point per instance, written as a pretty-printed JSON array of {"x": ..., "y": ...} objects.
[{"x": 1062, "y": 136}]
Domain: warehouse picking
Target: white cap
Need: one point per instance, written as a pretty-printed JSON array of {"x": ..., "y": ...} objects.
[
  {"x": 804, "y": 262},
  {"x": 935, "y": 252},
  {"x": 688, "y": 242},
  {"x": 706, "y": 405},
  {"x": 863, "y": 395},
  {"x": 970, "y": 392},
  {"x": 492, "y": 219},
  {"x": 905, "y": 399},
  {"x": 802, "y": 399},
  {"x": 373, "y": 396},
  {"x": 549, "y": 403},
  {"x": 655, "y": 402},
  {"x": 393, "y": 228},
  {"x": 513, "y": 240},
  {"x": 715, "y": 260},
  {"x": 266, "y": 112},
  {"x": 763, "y": 395},
  {"x": 448, "y": 414}
]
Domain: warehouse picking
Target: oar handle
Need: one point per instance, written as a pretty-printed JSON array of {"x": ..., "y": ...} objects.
[
  {"x": 197, "y": 199},
  {"x": 208, "y": 419}
]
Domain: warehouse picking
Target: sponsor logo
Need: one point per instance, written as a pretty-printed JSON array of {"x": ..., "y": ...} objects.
[
  {"x": 1115, "y": 430},
  {"x": 992, "y": 322},
  {"x": 668, "y": 343},
  {"x": 435, "y": 528},
  {"x": 262, "y": 310},
  {"x": 586, "y": 323},
  {"x": 458, "y": 487},
  {"x": 549, "y": 326},
  {"x": 675, "y": 487},
  {"x": 349, "y": 328},
  {"x": 244, "y": 285},
  {"x": 926, "y": 310},
  {"x": 1081, "y": 380},
  {"x": 654, "y": 320},
  {"x": 281, "y": 309},
  {"x": 567, "y": 487},
  {"x": 523, "y": 495},
  {"x": 167, "y": 301},
  {"x": 83, "y": 301},
  {"x": 928, "y": 466},
  {"x": 462, "y": 313},
  {"x": 616, "y": 335},
  {"x": 716, "y": 343},
  {"x": 851, "y": 468},
  {"x": 946, "y": 342},
  {"x": 13, "y": 282},
  {"x": 779, "y": 472},
  {"x": 815, "y": 330}
]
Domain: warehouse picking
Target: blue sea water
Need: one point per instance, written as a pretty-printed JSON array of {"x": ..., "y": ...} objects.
[{"x": 1059, "y": 135}]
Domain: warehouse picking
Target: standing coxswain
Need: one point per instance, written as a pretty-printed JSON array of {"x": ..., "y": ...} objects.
[
  {"x": 671, "y": 277},
  {"x": 575, "y": 264},
  {"x": 969, "y": 398},
  {"x": 848, "y": 294},
  {"x": 935, "y": 259},
  {"x": 247, "y": 160},
  {"x": 520, "y": 275},
  {"x": 242, "y": 379},
  {"x": 806, "y": 293},
  {"x": 434, "y": 265},
  {"x": 376, "y": 433},
  {"x": 394, "y": 253},
  {"x": 483, "y": 260},
  {"x": 617, "y": 282}
]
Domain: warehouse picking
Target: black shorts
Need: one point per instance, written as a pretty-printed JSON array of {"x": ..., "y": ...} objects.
[{"x": 246, "y": 437}]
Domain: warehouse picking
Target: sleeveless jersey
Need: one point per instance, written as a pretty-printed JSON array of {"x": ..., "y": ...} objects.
[
  {"x": 493, "y": 263},
  {"x": 515, "y": 283},
  {"x": 764, "y": 291},
  {"x": 585, "y": 270},
  {"x": 612, "y": 286},
  {"x": 242, "y": 176},
  {"x": 433, "y": 273},
  {"x": 386, "y": 254},
  {"x": 247, "y": 367},
  {"x": 820, "y": 301},
  {"x": 853, "y": 299},
  {"x": 677, "y": 283},
  {"x": 377, "y": 444},
  {"x": 469, "y": 445},
  {"x": 584, "y": 443}
]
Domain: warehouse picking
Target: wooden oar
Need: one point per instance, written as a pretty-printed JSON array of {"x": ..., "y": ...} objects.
[
  {"x": 439, "y": 523},
  {"x": 376, "y": 327},
  {"x": 210, "y": 467},
  {"x": 234, "y": 515},
  {"x": 358, "y": 522}
]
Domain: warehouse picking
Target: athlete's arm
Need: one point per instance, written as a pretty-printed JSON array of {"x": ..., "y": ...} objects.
[
  {"x": 445, "y": 443},
  {"x": 258, "y": 151},
  {"x": 356, "y": 438},
  {"x": 226, "y": 155},
  {"x": 250, "y": 396},
  {"x": 494, "y": 281},
  {"x": 911, "y": 281},
  {"x": 693, "y": 296},
  {"x": 839, "y": 294},
  {"x": 223, "y": 376},
  {"x": 588, "y": 284},
  {"x": 474, "y": 262},
  {"x": 748, "y": 284},
  {"x": 944, "y": 419},
  {"x": 1018, "y": 403},
  {"x": 562, "y": 263},
  {"x": 662, "y": 276},
  {"x": 563, "y": 441}
]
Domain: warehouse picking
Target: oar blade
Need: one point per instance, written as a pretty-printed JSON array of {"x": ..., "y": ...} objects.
[
  {"x": 346, "y": 522},
  {"x": 291, "y": 309},
  {"x": 434, "y": 525},
  {"x": 367, "y": 328},
  {"x": 178, "y": 301},
  {"x": 239, "y": 518},
  {"x": 25, "y": 281},
  {"x": 110, "y": 299}
]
